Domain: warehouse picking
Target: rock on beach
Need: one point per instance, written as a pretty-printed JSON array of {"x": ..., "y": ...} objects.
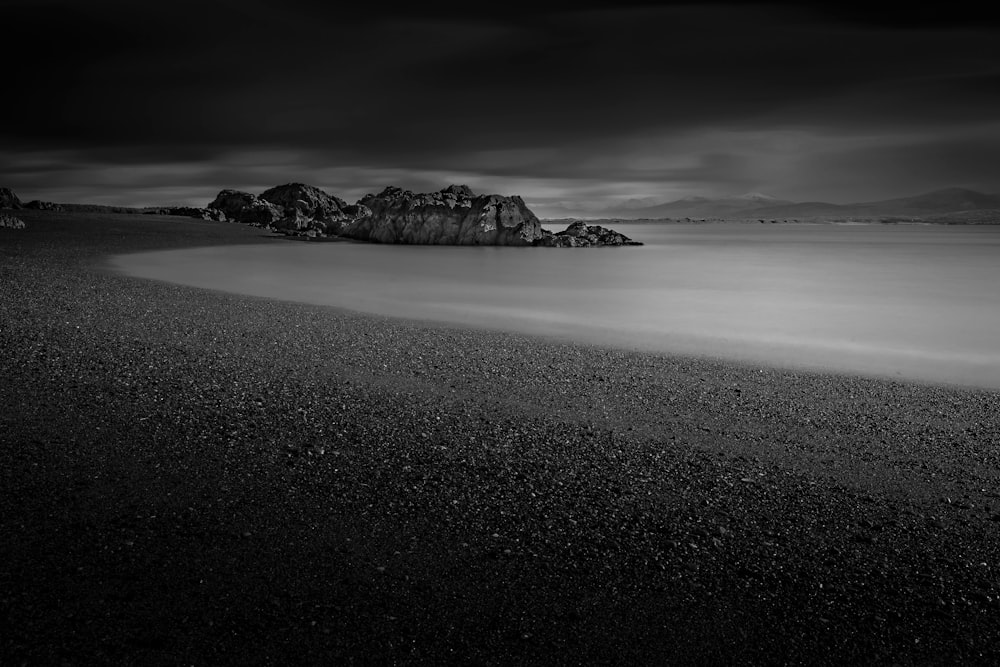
[{"x": 10, "y": 222}]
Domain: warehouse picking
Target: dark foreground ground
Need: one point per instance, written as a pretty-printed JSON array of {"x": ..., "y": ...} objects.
[{"x": 190, "y": 477}]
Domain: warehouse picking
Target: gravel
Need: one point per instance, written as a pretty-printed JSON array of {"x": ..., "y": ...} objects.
[{"x": 189, "y": 476}]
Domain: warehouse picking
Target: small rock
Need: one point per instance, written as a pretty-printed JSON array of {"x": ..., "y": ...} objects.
[{"x": 11, "y": 222}]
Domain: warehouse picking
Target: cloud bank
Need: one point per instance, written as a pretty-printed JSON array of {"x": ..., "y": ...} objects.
[{"x": 146, "y": 103}]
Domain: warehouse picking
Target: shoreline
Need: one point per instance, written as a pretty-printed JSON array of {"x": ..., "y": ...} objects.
[
  {"x": 753, "y": 357},
  {"x": 293, "y": 277},
  {"x": 196, "y": 476}
]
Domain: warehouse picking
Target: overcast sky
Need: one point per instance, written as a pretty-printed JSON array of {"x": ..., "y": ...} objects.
[{"x": 575, "y": 104}]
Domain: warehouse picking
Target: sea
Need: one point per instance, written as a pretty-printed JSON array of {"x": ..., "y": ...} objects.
[{"x": 904, "y": 301}]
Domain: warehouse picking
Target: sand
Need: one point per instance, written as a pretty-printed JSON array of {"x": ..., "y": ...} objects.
[{"x": 189, "y": 476}]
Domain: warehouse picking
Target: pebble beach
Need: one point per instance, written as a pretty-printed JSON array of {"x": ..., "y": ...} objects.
[{"x": 196, "y": 477}]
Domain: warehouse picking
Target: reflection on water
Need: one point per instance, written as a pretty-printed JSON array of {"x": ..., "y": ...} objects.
[{"x": 920, "y": 302}]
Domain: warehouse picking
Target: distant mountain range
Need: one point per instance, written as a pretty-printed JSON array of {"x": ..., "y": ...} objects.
[{"x": 756, "y": 205}]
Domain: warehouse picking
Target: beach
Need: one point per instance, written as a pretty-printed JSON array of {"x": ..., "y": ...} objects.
[{"x": 191, "y": 476}]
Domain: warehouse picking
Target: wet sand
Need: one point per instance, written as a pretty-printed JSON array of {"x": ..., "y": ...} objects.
[{"x": 189, "y": 476}]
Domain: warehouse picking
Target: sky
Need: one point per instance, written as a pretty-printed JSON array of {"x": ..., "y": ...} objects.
[{"x": 574, "y": 106}]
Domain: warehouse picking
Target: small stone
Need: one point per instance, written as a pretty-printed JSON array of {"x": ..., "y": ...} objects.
[{"x": 11, "y": 222}]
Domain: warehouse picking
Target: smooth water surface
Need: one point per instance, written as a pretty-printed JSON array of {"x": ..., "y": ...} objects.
[{"x": 913, "y": 301}]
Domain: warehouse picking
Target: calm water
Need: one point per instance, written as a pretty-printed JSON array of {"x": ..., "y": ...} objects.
[{"x": 919, "y": 302}]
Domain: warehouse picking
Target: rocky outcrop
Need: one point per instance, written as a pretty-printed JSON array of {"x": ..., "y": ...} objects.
[
  {"x": 451, "y": 216},
  {"x": 294, "y": 208},
  {"x": 307, "y": 208},
  {"x": 8, "y": 199},
  {"x": 10, "y": 222},
  {"x": 246, "y": 208},
  {"x": 581, "y": 235}
]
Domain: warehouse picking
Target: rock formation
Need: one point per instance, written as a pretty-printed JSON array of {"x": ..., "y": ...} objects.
[
  {"x": 452, "y": 216},
  {"x": 11, "y": 222},
  {"x": 305, "y": 208},
  {"x": 8, "y": 199},
  {"x": 293, "y": 208},
  {"x": 246, "y": 208},
  {"x": 581, "y": 235}
]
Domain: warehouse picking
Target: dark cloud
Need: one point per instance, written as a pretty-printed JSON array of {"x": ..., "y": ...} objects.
[
  {"x": 641, "y": 95},
  {"x": 907, "y": 167}
]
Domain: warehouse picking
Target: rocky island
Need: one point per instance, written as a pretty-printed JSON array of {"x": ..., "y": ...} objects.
[{"x": 451, "y": 216}]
